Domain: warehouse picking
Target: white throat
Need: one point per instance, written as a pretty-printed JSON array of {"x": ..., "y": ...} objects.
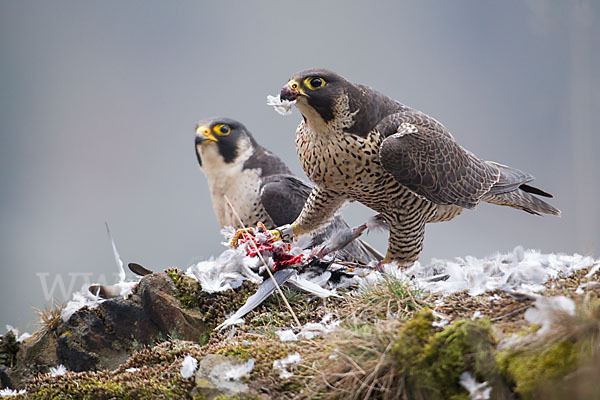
[
  {"x": 231, "y": 180},
  {"x": 343, "y": 118}
]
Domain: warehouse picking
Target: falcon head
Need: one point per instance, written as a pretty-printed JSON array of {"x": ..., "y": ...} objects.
[
  {"x": 221, "y": 142},
  {"x": 328, "y": 101},
  {"x": 317, "y": 93}
]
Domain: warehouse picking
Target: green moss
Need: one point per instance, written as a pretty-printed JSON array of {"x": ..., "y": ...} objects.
[
  {"x": 464, "y": 346},
  {"x": 432, "y": 360},
  {"x": 412, "y": 340},
  {"x": 106, "y": 385},
  {"x": 214, "y": 306},
  {"x": 241, "y": 352},
  {"x": 528, "y": 370}
]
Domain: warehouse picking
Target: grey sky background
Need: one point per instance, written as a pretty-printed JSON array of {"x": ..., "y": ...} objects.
[{"x": 98, "y": 102}]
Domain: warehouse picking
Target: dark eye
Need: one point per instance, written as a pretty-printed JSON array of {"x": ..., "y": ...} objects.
[
  {"x": 316, "y": 82},
  {"x": 222, "y": 129}
]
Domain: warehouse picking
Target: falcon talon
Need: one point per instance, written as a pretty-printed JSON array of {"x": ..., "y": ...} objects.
[
  {"x": 239, "y": 234},
  {"x": 261, "y": 227},
  {"x": 275, "y": 234}
]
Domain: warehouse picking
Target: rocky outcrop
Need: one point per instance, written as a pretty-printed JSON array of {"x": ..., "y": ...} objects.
[{"x": 104, "y": 337}]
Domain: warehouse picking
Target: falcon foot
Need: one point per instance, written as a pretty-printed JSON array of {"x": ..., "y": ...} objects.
[{"x": 275, "y": 234}]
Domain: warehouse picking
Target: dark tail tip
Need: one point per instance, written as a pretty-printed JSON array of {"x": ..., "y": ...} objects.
[{"x": 534, "y": 190}]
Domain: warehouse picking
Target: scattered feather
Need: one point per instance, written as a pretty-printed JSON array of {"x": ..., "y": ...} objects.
[
  {"x": 312, "y": 329},
  {"x": 587, "y": 285},
  {"x": 237, "y": 371},
  {"x": 377, "y": 223},
  {"x": 10, "y": 392},
  {"x": 523, "y": 271},
  {"x": 58, "y": 371},
  {"x": 229, "y": 270},
  {"x": 264, "y": 291},
  {"x": 443, "y": 321},
  {"x": 282, "y": 364},
  {"x": 92, "y": 295},
  {"x": 311, "y": 287},
  {"x": 287, "y": 335},
  {"x": 477, "y": 391},
  {"x": 283, "y": 107},
  {"x": 594, "y": 269},
  {"x": 82, "y": 298},
  {"x": 116, "y": 254},
  {"x": 20, "y": 338},
  {"x": 132, "y": 370},
  {"x": 188, "y": 366},
  {"x": 545, "y": 311}
]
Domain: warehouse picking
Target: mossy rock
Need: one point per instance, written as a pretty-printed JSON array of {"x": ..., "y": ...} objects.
[
  {"x": 531, "y": 369},
  {"x": 433, "y": 360}
]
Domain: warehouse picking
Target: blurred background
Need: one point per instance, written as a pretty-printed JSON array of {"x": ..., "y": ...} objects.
[{"x": 98, "y": 102}]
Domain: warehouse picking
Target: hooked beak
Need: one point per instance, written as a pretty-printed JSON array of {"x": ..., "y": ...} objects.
[
  {"x": 203, "y": 135},
  {"x": 291, "y": 90}
]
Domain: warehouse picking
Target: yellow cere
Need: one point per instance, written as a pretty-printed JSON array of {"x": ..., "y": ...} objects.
[
  {"x": 206, "y": 132},
  {"x": 293, "y": 84},
  {"x": 222, "y": 129}
]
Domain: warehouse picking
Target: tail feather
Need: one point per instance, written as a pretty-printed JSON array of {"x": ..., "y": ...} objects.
[
  {"x": 521, "y": 200},
  {"x": 509, "y": 179},
  {"x": 534, "y": 190},
  {"x": 512, "y": 190}
]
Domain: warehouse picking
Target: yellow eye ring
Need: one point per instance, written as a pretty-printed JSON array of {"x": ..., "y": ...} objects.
[
  {"x": 222, "y": 129},
  {"x": 314, "y": 82}
]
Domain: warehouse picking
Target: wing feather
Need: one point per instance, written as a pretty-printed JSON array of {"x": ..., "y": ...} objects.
[
  {"x": 423, "y": 156},
  {"x": 283, "y": 197}
]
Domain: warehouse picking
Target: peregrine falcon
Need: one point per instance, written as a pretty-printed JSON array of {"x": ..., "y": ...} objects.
[
  {"x": 259, "y": 185},
  {"x": 355, "y": 143}
]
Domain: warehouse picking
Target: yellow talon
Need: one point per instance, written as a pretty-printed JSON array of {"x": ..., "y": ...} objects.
[
  {"x": 275, "y": 234},
  {"x": 238, "y": 235},
  {"x": 261, "y": 227}
]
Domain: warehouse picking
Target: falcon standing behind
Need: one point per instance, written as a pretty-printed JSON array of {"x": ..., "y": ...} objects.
[
  {"x": 258, "y": 184},
  {"x": 357, "y": 144}
]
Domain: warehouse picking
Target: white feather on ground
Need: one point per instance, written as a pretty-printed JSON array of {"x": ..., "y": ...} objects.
[
  {"x": 80, "y": 299},
  {"x": 236, "y": 372},
  {"x": 232, "y": 267},
  {"x": 310, "y": 330},
  {"x": 546, "y": 310},
  {"x": 264, "y": 291},
  {"x": 283, "y": 364},
  {"x": 523, "y": 271},
  {"x": 10, "y": 392},
  {"x": 226, "y": 272},
  {"x": 20, "y": 338},
  {"x": 122, "y": 288},
  {"x": 188, "y": 366},
  {"x": 477, "y": 391},
  {"x": 58, "y": 371},
  {"x": 84, "y": 298}
]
